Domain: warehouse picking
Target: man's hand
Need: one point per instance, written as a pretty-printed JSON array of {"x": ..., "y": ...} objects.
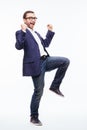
[
  {"x": 23, "y": 27},
  {"x": 50, "y": 27}
]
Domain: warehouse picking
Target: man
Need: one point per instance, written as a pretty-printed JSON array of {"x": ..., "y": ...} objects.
[{"x": 37, "y": 61}]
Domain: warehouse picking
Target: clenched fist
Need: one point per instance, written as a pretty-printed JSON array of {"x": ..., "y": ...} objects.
[
  {"x": 23, "y": 27},
  {"x": 50, "y": 27}
]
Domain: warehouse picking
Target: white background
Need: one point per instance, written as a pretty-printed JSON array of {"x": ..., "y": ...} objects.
[{"x": 69, "y": 18}]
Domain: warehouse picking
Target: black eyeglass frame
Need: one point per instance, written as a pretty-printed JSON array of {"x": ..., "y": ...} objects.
[{"x": 31, "y": 18}]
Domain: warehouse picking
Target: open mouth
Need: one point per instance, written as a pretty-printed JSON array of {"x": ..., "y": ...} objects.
[{"x": 32, "y": 23}]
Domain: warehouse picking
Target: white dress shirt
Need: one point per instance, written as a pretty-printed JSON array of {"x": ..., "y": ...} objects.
[{"x": 42, "y": 52}]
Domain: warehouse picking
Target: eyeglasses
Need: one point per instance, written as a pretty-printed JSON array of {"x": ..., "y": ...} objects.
[{"x": 31, "y": 18}]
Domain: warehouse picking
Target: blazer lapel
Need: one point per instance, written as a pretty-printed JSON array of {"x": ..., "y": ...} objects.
[
  {"x": 42, "y": 43},
  {"x": 31, "y": 35}
]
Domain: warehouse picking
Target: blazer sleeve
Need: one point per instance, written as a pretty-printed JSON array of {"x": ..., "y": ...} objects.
[
  {"x": 20, "y": 39},
  {"x": 49, "y": 36}
]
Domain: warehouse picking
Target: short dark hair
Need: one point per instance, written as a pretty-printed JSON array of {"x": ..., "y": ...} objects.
[{"x": 26, "y": 12}]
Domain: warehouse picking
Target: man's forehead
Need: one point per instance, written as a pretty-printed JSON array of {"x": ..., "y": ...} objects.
[{"x": 30, "y": 14}]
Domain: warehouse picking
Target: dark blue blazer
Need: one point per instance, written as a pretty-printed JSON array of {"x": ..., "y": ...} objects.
[{"x": 31, "y": 58}]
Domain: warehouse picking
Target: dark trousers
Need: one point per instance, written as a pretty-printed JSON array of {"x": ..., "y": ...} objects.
[{"x": 50, "y": 63}]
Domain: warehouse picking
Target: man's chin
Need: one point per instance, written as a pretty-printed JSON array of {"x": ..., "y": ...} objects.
[{"x": 32, "y": 26}]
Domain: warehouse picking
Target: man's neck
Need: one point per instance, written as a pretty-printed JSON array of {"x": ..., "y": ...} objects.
[{"x": 30, "y": 29}]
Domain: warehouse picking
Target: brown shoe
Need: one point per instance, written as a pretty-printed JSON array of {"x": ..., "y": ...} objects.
[
  {"x": 35, "y": 121},
  {"x": 57, "y": 91}
]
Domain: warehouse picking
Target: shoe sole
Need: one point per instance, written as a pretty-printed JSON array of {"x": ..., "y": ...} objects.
[
  {"x": 56, "y": 93},
  {"x": 36, "y": 124}
]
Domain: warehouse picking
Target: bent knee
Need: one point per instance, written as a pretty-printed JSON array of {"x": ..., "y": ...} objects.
[{"x": 67, "y": 62}]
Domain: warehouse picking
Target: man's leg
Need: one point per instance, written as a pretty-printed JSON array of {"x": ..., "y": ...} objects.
[
  {"x": 61, "y": 64},
  {"x": 36, "y": 97},
  {"x": 38, "y": 82}
]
